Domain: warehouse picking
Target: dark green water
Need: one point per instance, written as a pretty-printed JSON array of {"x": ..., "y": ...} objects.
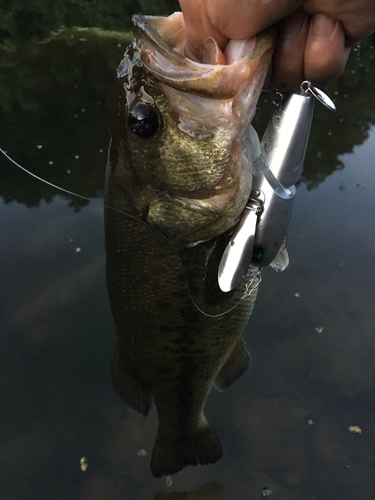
[{"x": 284, "y": 425}]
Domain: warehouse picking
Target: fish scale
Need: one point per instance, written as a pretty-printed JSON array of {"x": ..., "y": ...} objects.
[
  {"x": 178, "y": 334},
  {"x": 174, "y": 353}
]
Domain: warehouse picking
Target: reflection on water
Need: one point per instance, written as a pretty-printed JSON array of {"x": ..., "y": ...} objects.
[
  {"x": 209, "y": 491},
  {"x": 285, "y": 425},
  {"x": 60, "y": 88}
]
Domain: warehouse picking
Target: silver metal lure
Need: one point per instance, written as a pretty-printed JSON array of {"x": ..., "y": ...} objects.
[{"x": 262, "y": 227}]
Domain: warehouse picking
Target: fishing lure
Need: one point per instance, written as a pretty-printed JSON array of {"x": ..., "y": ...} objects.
[{"x": 261, "y": 230}]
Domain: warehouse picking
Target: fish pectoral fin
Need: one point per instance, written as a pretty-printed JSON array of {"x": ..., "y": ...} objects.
[
  {"x": 234, "y": 367},
  {"x": 127, "y": 384},
  {"x": 170, "y": 456}
]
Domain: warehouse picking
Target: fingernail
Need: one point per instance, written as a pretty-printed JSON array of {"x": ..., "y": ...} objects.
[
  {"x": 323, "y": 26},
  {"x": 292, "y": 25}
]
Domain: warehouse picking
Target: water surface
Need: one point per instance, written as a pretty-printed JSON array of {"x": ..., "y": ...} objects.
[{"x": 285, "y": 425}]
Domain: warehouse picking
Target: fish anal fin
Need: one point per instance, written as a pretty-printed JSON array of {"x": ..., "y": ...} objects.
[
  {"x": 234, "y": 367},
  {"x": 127, "y": 384},
  {"x": 170, "y": 456}
]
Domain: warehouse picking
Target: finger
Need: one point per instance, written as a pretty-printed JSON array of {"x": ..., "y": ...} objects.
[
  {"x": 288, "y": 58},
  {"x": 357, "y": 16},
  {"x": 199, "y": 28},
  {"x": 206, "y": 18},
  {"x": 246, "y": 18},
  {"x": 325, "y": 50}
]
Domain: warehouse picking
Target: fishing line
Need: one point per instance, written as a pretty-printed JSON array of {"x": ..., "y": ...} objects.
[
  {"x": 248, "y": 289},
  {"x": 91, "y": 200},
  {"x": 43, "y": 180}
]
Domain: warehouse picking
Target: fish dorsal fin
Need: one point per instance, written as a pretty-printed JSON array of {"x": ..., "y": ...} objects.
[
  {"x": 234, "y": 367},
  {"x": 127, "y": 384}
]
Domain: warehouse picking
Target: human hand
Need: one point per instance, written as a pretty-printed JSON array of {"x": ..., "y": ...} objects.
[{"x": 314, "y": 36}]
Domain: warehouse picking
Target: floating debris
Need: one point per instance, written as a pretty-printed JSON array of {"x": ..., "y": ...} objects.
[
  {"x": 296, "y": 295},
  {"x": 40, "y": 146},
  {"x": 310, "y": 422},
  {"x": 83, "y": 464},
  {"x": 342, "y": 187},
  {"x": 266, "y": 492},
  {"x": 78, "y": 249},
  {"x": 168, "y": 481},
  {"x": 50, "y": 162},
  {"x": 142, "y": 452},
  {"x": 76, "y": 157},
  {"x": 355, "y": 429},
  {"x": 319, "y": 329}
]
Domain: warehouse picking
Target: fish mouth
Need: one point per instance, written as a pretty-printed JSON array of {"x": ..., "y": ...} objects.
[
  {"x": 214, "y": 100},
  {"x": 162, "y": 42},
  {"x": 198, "y": 91}
]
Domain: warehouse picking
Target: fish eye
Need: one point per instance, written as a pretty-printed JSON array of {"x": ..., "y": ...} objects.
[{"x": 143, "y": 120}]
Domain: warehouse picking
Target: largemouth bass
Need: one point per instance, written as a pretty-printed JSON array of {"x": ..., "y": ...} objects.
[{"x": 177, "y": 181}]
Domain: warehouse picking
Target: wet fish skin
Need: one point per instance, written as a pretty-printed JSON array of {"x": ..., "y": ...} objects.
[
  {"x": 190, "y": 179},
  {"x": 170, "y": 200},
  {"x": 167, "y": 348}
]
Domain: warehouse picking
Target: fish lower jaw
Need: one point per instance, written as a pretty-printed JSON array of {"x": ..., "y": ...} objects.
[
  {"x": 186, "y": 222},
  {"x": 221, "y": 220},
  {"x": 227, "y": 200},
  {"x": 228, "y": 206}
]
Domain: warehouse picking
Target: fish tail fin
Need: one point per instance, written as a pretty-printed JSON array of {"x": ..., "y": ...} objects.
[
  {"x": 170, "y": 456},
  {"x": 127, "y": 384}
]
